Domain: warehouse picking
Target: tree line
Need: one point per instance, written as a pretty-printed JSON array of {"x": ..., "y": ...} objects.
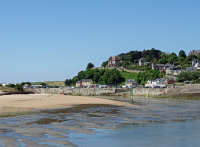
[
  {"x": 130, "y": 60},
  {"x": 98, "y": 76}
]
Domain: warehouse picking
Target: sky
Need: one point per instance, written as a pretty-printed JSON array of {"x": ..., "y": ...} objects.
[{"x": 52, "y": 40}]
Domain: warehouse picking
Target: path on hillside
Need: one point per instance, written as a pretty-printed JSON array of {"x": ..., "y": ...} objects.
[{"x": 120, "y": 69}]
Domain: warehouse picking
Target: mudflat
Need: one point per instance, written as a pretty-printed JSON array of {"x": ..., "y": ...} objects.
[{"x": 26, "y": 102}]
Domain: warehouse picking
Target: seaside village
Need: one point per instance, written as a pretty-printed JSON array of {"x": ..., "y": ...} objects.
[{"x": 170, "y": 70}]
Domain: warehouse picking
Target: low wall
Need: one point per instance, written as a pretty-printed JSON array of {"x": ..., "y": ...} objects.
[
  {"x": 149, "y": 92},
  {"x": 77, "y": 91}
]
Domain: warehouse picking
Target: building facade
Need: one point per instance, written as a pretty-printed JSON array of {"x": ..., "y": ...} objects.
[
  {"x": 113, "y": 61},
  {"x": 196, "y": 63},
  {"x": 84, "y": 82}
]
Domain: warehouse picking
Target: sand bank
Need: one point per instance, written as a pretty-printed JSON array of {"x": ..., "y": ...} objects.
[{"x": 12, "y": 103}]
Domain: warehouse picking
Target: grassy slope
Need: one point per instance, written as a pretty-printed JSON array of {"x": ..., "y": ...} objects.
[{"x": 128, "y": 75}]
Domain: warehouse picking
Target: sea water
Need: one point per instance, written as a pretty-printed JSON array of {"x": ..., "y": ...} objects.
[{"x": 174, "y": 134}]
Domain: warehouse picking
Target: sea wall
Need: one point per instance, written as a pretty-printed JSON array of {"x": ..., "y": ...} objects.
[
  {"x": 77, "y": 91},
  {"x": 150, "y": 92}
]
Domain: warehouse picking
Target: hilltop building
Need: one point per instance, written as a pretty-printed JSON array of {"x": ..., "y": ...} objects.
[
  {"x": 194, "y": 52},
  {"x": 113, "y": 61}
]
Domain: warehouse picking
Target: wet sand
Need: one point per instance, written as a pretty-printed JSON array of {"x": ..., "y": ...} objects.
[
  {"x": 26, "y": 102},
  {"x": 56, "y": 128}
]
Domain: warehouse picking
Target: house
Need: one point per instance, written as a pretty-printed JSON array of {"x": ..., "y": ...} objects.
[
  {"x": 161, "y": 81},
  {"x": 194, "y": 52},
  {"x": 173, "y": 71},
  {"x": 161, "y": 66},
  {"x": 78, "y": 83},
  {"x": 196, "y": 63},
  {"x": 151, "y": 83},
  {"x": 131, "y": 82},
  {"x": 156, "y": 82},
  {"x": 113, "y": 61},
  {"x": 169, "y": 81},
  {"x": 141, "y": 61},
  {"x": 84, "y": 82}
]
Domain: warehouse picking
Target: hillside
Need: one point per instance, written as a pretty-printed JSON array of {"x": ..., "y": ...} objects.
[{"x": 128, "y": 75}]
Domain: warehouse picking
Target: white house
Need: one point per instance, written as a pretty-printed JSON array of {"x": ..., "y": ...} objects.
[{"x": 152, "y": 83}]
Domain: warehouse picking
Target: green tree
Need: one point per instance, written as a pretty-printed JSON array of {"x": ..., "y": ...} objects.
[
  {"x": 96, "y": 77},
  {"x": 162, "y": 61},
  {"x": 74, "y": 80},
  {"x": 185, "y": 61},
  {"x": 190, "y": 57},
  {"x": 163, "y": 56},
  {"x": 68, "y": 82},
  {"x": 90, "y": 74},
  {"x": 154, "y": 60},
  {"x": 135, "y": 61},
  {"x": 43, "y": 84},
  {"x": 104, "y": 64},
  {"x": 101, "y": 72},
  {"x": 90, "y": 65},
  {"x": 170, "y": 60},
  {"x": 19, "y": 87},
  {"x": 181, "y": 59},
  {"x": 111, "y": 79},
  {"x": 183, "y": 76},
  {"x": 174, "y": 56},
  {"x": 182, "y": 54},
  {"x": 148, "y": 58},
  {"x": 11, "y": 85}
]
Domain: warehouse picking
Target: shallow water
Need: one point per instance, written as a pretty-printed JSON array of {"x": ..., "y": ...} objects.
[
  {"x": 175, "y": 134},
  {"x": 152, "y": 122}
]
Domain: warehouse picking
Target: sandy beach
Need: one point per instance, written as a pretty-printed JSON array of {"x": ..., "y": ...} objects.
[{"x": 12, "y": 103}]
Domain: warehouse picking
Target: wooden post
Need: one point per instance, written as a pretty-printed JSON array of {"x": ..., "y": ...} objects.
[{"x": 131, "y": 94}]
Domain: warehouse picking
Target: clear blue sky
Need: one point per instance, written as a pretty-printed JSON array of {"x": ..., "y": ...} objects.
[{"x": 50, "y": 40}]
